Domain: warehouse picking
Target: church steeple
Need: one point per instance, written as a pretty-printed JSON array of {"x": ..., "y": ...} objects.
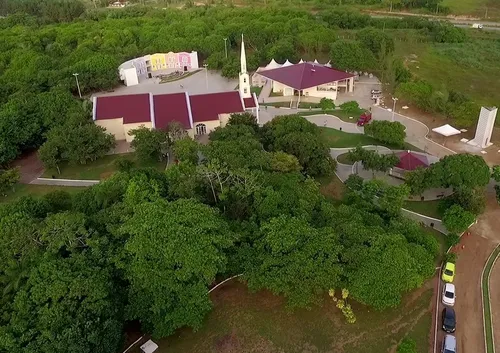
[
  {"x": 243, "y": 58},
  {"x": 244, "y": 78}
]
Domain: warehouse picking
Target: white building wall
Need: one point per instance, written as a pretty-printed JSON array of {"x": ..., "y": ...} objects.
[
  {"x": 314, "y": 92},
  {"x": 130, "y": 76},
  {"x": 194, "y": 60}
]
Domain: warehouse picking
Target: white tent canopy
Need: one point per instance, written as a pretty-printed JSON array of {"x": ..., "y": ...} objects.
[
  {"x": 446, "y": 130},
  {"x": 287, "y": 63},
  {"x": 301, "y": 61},
  {"x": 149, "y": 347},
  {"x": 272, "y": 65}
]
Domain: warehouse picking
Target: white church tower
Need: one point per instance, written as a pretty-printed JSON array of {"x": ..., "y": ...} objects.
[{"x": 244, "y": 78}]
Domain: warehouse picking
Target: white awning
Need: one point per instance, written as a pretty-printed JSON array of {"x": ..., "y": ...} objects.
[
  {"x": 149, "y": 347},
  {"x": 446, "y": 130},
  {"x": 272, "y": 65}
]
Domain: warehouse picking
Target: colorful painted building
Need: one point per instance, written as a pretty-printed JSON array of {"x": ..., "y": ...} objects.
[{"x": 147, "y": 66}]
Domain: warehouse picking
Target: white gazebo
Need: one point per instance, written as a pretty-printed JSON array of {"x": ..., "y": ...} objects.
[{"x": 446, "y": 131}]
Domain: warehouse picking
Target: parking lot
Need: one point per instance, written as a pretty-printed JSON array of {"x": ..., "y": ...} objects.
[{"x": 194, "y": 84}]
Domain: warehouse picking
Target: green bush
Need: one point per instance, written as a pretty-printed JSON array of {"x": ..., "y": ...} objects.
[
  {"x": 452, "y": 239},
  {"x": 450, "y": 257}
]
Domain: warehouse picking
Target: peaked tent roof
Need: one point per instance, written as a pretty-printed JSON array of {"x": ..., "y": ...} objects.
[
  {"x": 272, "y": 65},
  {"x": 446, "y": 130},
  {"x": 410, "y": 161},
  {"x": 305, "y": 75},
  {"x": 286, "y": 63}
]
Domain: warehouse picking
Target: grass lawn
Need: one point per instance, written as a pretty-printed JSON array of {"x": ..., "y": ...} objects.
[
  {"x": 256, "y": 90},
  {"x": 276, "y": 104},
  {"x": 427, "y": 208},
  {"x": 241, "y": 321},
  {"x": 275, "y": 94},
  {"x": 337, "y": 139},
  {"x": 339, "y": 113},
  {"x": 37, "y": 191},
  {"x": 471, "y": 68},
  {"x": 332, "y": 188},
  {"x": 344, "y": 159},
  {"x": 99, "y": 169}
]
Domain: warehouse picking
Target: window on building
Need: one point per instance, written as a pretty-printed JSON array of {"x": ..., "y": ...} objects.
[
  {"x": 201, "y": 129},
  {"x": 244, "y": 80}
]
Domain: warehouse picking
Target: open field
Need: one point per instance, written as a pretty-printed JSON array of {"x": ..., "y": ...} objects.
[
  {"x": 471, "y": 67},
  {"x": 36, "y": 190},
  {"x": 100, "y": 169},
  {"x": 260, "y": 322}
]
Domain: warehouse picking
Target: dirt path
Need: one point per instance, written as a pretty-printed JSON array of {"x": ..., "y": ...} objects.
[{"x": 31, "y": 167}]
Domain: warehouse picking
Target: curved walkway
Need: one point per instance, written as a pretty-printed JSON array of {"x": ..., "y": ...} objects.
[{"x": 488, "y": 320}]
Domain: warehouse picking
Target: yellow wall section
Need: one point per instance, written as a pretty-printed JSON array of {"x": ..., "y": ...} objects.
[
  {"x": 158, "y": 62},
  {"x": 113, "y": 126}
]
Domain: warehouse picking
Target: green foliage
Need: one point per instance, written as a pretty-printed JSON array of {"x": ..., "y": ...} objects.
[
  {"x": 472, "y": 200},
  {"x": 448, "y": 33},
  {"x": 392, "y": 133},
  {"x": 456, "y": 219},
  {"x": 463, "y": 170},
  {"x": 497, "y": 192},
  {"x": 284, "y": 162},
  {"x": 289, "y": 249},
  {"x": 124, "y": 164},
  {"x": 350, "y": 107},
  {"x": 379, "y": 42},
  {"x": 496, "y": 173},
  {"x": 244, "y": 119},
  {"x": 77, "y": 141},
  {"x": 326, "y": 104},
  {"x": 452, "y": 239},
  {"x": 418, "y": 180},
  {"x": 186, "y": 150},
  {"x": 150, "y": 144},
  {"x": 9, "y": 178},
  {"x": 450, "y": 257},
  {"x": 297, "y": 136},
  {"x": 372, "y": 160},
  {"x": 175, "y": 252},
  {"x": 351, "y": 55},
  {"x": 407, "y": 345}
]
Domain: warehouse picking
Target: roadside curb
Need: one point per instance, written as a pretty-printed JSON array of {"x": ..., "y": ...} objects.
[{"x": 492, "y": 332}]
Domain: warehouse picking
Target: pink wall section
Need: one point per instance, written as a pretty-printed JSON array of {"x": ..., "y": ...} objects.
[{"x": 184, "y": 59}]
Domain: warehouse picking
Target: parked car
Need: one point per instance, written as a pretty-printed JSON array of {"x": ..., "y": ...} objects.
[
  {"x": 477, "y": 25},
  {"x": 376, "y": 91},
  {"x": 449, "y": 320},
  {"x": 364, "y": 119},
  {"x": 449, "y": 294},
  {"x": 448, "y": 272},
  {"x": 449, "y": 344}
]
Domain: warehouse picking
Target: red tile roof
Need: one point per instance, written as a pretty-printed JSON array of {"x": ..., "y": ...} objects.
[
  {"x": 249, "y": 102},
  {"x": 305, "y": 75},
  {"x": 133, "y": 108},
  {"x": 207, "y": 107},
  {"x": 411, "y": 161},
  {"x": 171, "y": 107}
]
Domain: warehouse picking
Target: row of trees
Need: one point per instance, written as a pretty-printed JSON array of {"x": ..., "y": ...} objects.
[{"x": 147, "y": 245}]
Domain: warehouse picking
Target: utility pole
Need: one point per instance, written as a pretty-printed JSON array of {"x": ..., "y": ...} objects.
[
  {"x": 78, "y": 85},
  {"x": 486, "y": 13},
  {"x": 206, "y": 74},
  {"x": 394, "y": 108},
  {"x": 225, "y": 46}
]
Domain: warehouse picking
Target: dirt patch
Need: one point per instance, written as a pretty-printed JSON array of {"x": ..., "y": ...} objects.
[
  {"x": 30, "y": 165},
  {"x": 228, "y": 344}
]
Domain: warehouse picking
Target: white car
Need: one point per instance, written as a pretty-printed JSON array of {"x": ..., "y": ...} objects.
[{"x": 449, "y": 294}]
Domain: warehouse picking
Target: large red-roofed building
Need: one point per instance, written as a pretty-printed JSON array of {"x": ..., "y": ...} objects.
[
  {"x": 198, "y": 114},
  {"x": 309, "y": 79}
]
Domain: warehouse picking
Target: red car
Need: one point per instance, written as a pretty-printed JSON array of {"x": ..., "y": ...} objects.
[{"x": 364, "y": 119}]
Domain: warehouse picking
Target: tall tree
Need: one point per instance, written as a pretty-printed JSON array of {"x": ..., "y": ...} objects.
[
  {"x": 150, "y": 144},
  {"x": 176, "y": 250},
  {"x": 290, "y": 249}
]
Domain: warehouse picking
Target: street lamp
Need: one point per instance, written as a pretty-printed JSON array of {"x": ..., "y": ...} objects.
[
  {"x": 225, "y": 46},
  {"x": 394, "y": 107},
  {"x": 78, "y": 85},
  {"x": 206, "y": 74}
]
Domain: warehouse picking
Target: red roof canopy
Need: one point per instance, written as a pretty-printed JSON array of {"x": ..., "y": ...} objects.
[
  {"x": 305, "y": 75},
  {"x": 171, "y": 107},
  {"x": 133, "y": 108},
  {"x": 207, "y": 107},
  {"x": 410, "y": 161},
  {"x": 249, "y": 102}
]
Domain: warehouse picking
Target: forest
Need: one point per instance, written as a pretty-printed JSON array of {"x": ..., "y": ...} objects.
[
  {"x": 38, "y": 56},
  {"x": 147, "y": 245}
]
